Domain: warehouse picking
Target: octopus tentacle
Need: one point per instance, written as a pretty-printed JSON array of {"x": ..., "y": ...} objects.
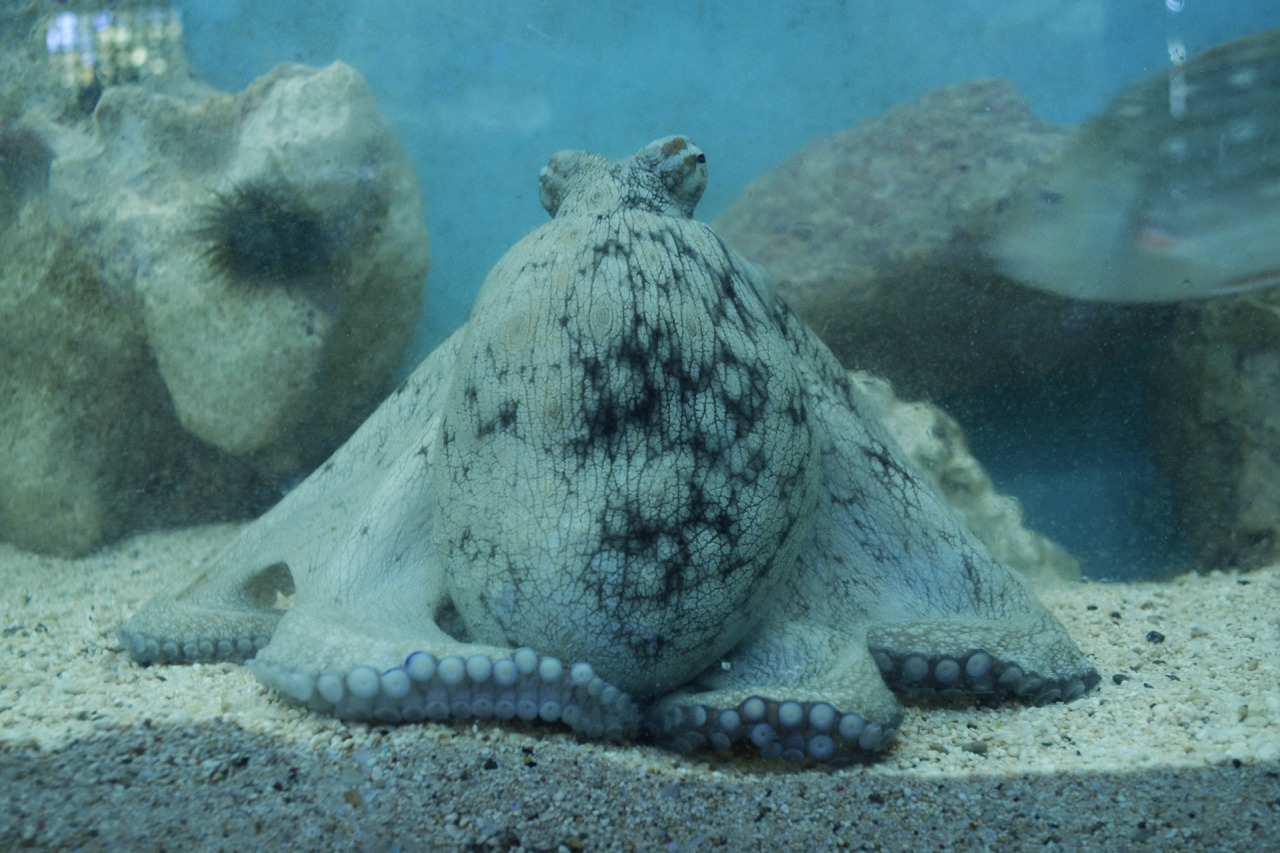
[
  {"x": 216, "y": 616},
  {"x": 797, "y": 690},
  {"x": 522, "y": 685},
  {"x": 992, "y": 660},
  {"x": 791, "y": 730},
  {"x": 231, "y": 608}
]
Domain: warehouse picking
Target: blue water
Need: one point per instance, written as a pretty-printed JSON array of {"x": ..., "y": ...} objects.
[{"x": 482, "y": 93}]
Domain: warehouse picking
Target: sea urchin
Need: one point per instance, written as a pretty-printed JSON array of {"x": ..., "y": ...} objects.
[{"x": 264, "y": 231}]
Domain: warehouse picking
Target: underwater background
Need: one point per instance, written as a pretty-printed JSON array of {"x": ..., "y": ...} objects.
[{"x": 481, "y": 93}]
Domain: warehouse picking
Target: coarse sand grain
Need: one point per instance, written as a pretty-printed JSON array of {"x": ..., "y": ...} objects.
[{"x": 1178, "y": 749}]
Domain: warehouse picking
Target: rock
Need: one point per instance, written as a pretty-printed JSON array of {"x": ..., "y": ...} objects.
[
  {"x": 203, "y": 294},
  {"x": 1216, "y": 415},
  {"x": 876, "y": 237}
]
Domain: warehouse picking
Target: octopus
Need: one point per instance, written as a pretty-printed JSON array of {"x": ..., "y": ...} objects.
[{"x": 633, "y": 494}]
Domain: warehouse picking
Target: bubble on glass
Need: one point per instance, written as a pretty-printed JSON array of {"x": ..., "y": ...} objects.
[{"x": 1174, "y": 6}]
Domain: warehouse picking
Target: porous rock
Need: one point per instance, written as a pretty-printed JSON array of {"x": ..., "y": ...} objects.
[
  {"x": 1216, "y": 413},
  {"x": 876, "y": 237},
  {"x": 165, "y": 362}
]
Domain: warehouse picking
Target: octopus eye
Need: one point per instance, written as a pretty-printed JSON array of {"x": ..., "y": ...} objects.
[{"x": 702, "y": 158}]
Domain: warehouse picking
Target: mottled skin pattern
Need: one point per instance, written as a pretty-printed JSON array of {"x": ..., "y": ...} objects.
[{"x": 634, "y": 458}]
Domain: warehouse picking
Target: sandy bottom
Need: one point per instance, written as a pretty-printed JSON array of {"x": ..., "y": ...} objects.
[{"x": 1179, "y": 749}]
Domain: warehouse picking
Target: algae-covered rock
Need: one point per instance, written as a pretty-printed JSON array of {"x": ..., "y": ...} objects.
[{"x": 202, "y": 293}]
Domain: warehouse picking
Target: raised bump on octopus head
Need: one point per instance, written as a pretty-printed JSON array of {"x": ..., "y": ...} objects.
[{"x": 363, "y": 681}]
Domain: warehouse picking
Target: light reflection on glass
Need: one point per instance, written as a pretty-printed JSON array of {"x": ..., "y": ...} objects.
[{"x": 113, "y": 47}]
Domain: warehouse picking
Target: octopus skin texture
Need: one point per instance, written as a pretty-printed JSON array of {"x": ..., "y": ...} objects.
[{"x": 634, "y": 494}]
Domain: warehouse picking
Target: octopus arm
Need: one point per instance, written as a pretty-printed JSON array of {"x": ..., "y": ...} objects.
[{"x": 890, "y": 593}]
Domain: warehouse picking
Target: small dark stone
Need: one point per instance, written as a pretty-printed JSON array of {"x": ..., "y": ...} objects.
[
  {"x": 1119, "y": 678},
  {"x": 1155, "y": 637},
  {"x": 490, "y": 764}
]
